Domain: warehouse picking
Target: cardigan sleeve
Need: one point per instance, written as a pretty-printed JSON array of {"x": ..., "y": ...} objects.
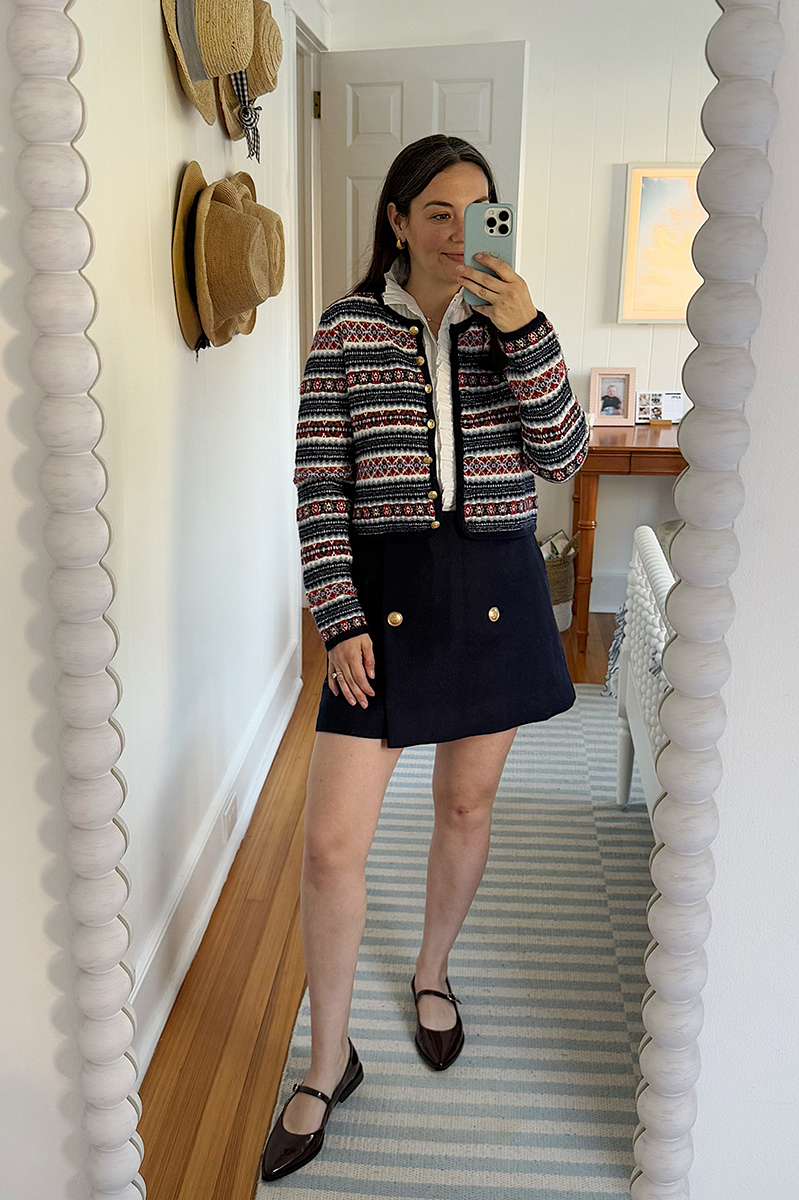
[
  {"x": 324, "y": 478},
  {"x": 554, "y": 429}
]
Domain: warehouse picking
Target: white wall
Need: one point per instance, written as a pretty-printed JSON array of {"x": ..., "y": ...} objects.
[
  {"x": 746, "y": 1135},
  {"x": 611, "y": 82}
]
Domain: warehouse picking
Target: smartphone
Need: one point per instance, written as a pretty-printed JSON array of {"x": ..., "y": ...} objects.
[{"x": 488, "y": 228}]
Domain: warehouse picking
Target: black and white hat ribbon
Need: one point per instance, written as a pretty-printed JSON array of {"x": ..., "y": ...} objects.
[{"x": 247, "y": 114}]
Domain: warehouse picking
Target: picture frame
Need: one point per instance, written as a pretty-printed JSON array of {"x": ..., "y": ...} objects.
[
  {"x": 668, "y": 406},
  {"x": 662, "y": 216},
  {"x": 610, "y": 384},
  {"x": 554, "y": 545}
]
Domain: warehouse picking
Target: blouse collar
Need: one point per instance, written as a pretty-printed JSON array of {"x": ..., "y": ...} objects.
[{"x": 395, "y": 294}]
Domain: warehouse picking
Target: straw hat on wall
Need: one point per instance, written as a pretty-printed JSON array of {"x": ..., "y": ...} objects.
[
  {"x": 228, "y": 256},
  {"x": 261, "y": 70},
  {"x": 210, "y": 38}
]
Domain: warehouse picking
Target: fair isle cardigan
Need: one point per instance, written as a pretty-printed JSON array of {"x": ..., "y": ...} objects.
[{"x": 366, "y": 446}]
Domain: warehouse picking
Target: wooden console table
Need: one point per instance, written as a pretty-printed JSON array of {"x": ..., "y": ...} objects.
[{"x": 613, "y": 450}]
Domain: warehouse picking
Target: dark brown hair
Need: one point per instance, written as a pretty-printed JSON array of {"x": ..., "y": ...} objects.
[{"x": 409, "y": 174}]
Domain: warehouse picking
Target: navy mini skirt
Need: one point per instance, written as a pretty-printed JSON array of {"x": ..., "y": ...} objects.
[{"x": 464, "y": 638}]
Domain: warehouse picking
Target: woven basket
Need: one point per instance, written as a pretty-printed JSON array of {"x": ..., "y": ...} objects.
[{"x": 560, "y": 575}]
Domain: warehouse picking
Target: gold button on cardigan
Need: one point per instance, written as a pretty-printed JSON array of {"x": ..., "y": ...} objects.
[{"x": 436, "y": 348}]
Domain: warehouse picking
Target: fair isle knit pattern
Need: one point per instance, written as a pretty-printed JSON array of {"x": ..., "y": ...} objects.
[{"x": 366, "y": 447}]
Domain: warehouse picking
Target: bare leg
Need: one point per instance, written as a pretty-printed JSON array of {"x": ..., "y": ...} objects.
[
  {"x": 465, "y": 780},
  {"x": 347, "y": 780}
]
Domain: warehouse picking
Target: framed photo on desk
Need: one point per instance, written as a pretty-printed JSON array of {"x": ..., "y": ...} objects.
[{"x": 612, "y": 395}]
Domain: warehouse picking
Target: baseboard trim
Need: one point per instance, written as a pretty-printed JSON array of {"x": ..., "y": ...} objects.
[{"x": 174, "y": 941}]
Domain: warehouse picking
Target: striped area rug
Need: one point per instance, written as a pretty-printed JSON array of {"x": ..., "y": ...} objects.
[{"x": 548, "y": 964}]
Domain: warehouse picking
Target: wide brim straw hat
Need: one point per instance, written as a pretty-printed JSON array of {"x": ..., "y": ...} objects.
[
  {"x": 261, "y": 70},
  {"x": 210, "y": 38},
  {"x": 227, "y": 257},
  {"x": 230, "y": 262},
  {"x": 191, "y": 186}
]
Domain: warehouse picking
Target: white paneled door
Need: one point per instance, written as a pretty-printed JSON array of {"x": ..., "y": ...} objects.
[{"x": 374, "y": 102}]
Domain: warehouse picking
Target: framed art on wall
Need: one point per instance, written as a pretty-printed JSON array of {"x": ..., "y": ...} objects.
[
  {"x": 662, "y": 216},
  {"x": 612, "y": 395}
]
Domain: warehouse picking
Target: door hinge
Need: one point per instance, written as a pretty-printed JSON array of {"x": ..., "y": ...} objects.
[{"x": 317, "y": 105}]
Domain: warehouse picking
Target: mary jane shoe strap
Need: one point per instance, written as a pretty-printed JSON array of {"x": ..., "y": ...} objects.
[
  {"x": 309, "y": 1091},
  {"x": 443, "y": 995}
]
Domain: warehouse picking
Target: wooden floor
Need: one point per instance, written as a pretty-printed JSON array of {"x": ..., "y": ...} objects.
[
  {"x": 209, "y": 1091},
  {"x": 592, "y": 666}
]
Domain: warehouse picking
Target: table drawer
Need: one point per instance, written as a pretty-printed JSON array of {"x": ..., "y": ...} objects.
[
  {"x": 657, "y": 462},
  {"x": 607, "y": 462}
]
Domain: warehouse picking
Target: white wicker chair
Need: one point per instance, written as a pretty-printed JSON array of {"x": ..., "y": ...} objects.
[{"x": 641, "y": 683}]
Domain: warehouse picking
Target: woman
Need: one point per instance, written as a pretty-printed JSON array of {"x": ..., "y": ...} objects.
[{"x": 422, "y": 423}]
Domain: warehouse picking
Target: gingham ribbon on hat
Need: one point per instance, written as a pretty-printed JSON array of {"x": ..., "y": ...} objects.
[{"x": 247, "y": 114}]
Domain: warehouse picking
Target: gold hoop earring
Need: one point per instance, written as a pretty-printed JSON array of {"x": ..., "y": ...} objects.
[{"x": 400, "y": 244}]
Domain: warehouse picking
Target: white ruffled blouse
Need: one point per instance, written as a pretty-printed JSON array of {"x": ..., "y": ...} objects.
[{"x": 437, "y": 350}]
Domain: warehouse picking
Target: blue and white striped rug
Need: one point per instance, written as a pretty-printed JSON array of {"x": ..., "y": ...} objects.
[{"x": 548, "y": 964}]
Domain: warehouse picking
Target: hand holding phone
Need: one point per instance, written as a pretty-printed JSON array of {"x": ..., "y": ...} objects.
[
  {"x": 489, "y": 229},
  {"x": 505, "y": 298}
]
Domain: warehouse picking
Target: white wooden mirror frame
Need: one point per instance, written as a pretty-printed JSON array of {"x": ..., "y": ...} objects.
[{"x": 743, "y": 48}]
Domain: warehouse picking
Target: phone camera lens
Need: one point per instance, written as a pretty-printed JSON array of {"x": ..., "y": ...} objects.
[
  {"x": 491, "y": 222},
  {"x": 504, "y": 216},
  {"x": 503, "y": 229}
]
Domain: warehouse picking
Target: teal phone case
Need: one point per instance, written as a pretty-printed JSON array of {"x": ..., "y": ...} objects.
[{"x": 477, "y": 240}]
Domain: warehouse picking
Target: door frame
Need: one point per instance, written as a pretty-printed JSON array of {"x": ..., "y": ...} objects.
[{"x": 309, "y": 186}]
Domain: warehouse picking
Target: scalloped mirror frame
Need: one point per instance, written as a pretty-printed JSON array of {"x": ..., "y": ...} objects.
[{"x": 743, "y": 49}]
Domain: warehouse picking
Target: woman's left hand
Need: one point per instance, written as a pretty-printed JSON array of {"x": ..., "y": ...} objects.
[{"x": 508, "y": 302}]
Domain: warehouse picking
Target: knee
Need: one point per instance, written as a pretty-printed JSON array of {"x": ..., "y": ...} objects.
[
  {"x": 465, "y": 814},
  {"x": 327, "y": 860}
]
